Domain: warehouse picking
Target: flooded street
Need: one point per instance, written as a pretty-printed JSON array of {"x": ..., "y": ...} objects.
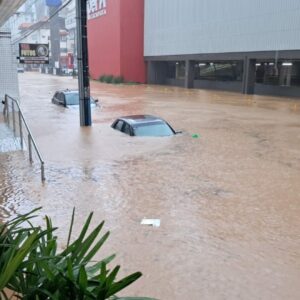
[{"x": 228, "y": 201}]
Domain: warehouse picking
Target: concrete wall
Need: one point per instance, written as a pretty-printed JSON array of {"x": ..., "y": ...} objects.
[
  {"x": 262, "y": 89},
  {"x": 234, "y": 86},
  {"x": 8, "y": 67},
  {"x": 175, "y": 82},
  {"x": 176, "y": 27}
]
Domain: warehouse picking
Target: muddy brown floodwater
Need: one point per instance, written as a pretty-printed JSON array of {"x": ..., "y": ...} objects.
[{"x": 228, "y": 201}]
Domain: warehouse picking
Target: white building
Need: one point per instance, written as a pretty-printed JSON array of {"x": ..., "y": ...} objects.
[
  {"x": 238, "y": 45},
  {"x": 8, "y": 66}
]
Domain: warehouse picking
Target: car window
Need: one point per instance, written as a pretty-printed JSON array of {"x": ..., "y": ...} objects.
[
  {"x": 119, "y": 125},
  {"x": 72, "y": 99},
  {"x": 63, "y": 98},
  {"x": 126, "y": 129},
  {"x": 60, "y": 98},
  {"x": 153, "y": 129}
]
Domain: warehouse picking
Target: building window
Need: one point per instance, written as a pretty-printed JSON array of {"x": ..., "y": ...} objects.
[
  {"x": 171, "y": 70},
  {"x": 176, "y": 70},
  {"x": 284, "y": 73},
  {"x": 219, "y": 71}
]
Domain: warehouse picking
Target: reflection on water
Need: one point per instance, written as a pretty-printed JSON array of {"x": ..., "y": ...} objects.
[{"x": 228, "y": 201}]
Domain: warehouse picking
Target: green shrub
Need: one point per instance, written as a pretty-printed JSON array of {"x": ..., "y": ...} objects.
[
  {"x": 111, "y": 79},
  {"x": 118, "y": 80},
  {"x": 132, "y": 83},
  {"x": 108, "y": 78},
  {"x": 32, "y": 267},
  {"x": 102, "y": 78}
]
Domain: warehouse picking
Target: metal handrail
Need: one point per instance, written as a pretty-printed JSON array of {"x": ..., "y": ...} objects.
[{"x": 31, "y": 140}]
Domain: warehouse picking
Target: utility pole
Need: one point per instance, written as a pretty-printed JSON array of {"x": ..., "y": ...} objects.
[
  {"x": 55, "y": 38},
  {"x": 83, "y": 64}
]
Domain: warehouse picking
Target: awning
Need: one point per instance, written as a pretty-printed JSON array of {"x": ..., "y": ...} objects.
[{"x": 8, "y": 8}]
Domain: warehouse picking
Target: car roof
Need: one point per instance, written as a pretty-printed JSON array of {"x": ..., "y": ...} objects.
[
  {"x": 141, "y": 119},
  {"x": 67, "y": 91}
]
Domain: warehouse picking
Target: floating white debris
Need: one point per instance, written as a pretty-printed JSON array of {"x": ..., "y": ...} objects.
[{"x": 151, "y": 222}]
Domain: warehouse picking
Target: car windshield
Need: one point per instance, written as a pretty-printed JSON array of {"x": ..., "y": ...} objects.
[
  {"x": 153, "y": 129},
  {"x": 73, "y": 99}
]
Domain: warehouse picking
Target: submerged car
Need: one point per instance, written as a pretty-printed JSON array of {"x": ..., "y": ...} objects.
[
  {"x": 69, "y": 98},
  {"x": 143, "y": 125}
]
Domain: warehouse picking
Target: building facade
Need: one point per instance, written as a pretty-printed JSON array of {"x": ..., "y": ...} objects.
[
  {"x": 115, "y": 39},
  {"x": 71, "y": 37},
  {"x": 8, "y": 67},
  {"x": 236, "y": 45}
]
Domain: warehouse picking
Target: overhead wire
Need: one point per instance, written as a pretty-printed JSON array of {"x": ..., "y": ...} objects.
[
  {"x": 28, "y": 8},
  {"x": 42, "y": 23}
]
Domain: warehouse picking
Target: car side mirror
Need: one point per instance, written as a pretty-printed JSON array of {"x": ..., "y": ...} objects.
[
  {"x": 96, "y": 100},
  {"x": 178, "y": 132}
]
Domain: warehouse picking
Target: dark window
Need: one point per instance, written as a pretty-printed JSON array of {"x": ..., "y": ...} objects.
[
  {"x": 171, "y": 70},
  {"x": 176, "y": 70},
  {"x": 283, "y": 73},
  {"x": 219, "y": 71},
  {"x": 126, "y": 129},
  {"x": 61, "y": 98},
  {"x": 58, "y": 96},
  {"x": 119, "y": 125}
]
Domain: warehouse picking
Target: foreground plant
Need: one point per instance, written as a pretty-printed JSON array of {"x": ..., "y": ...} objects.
[
  {"x": 15, "y": 245},
  {"x": 31, "y": 266}
]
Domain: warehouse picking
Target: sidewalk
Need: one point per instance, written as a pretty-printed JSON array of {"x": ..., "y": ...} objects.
[{"x": 8, "y": 143}]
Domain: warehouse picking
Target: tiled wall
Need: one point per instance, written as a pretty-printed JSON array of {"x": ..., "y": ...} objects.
[{"x": 8, "y": 67}]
